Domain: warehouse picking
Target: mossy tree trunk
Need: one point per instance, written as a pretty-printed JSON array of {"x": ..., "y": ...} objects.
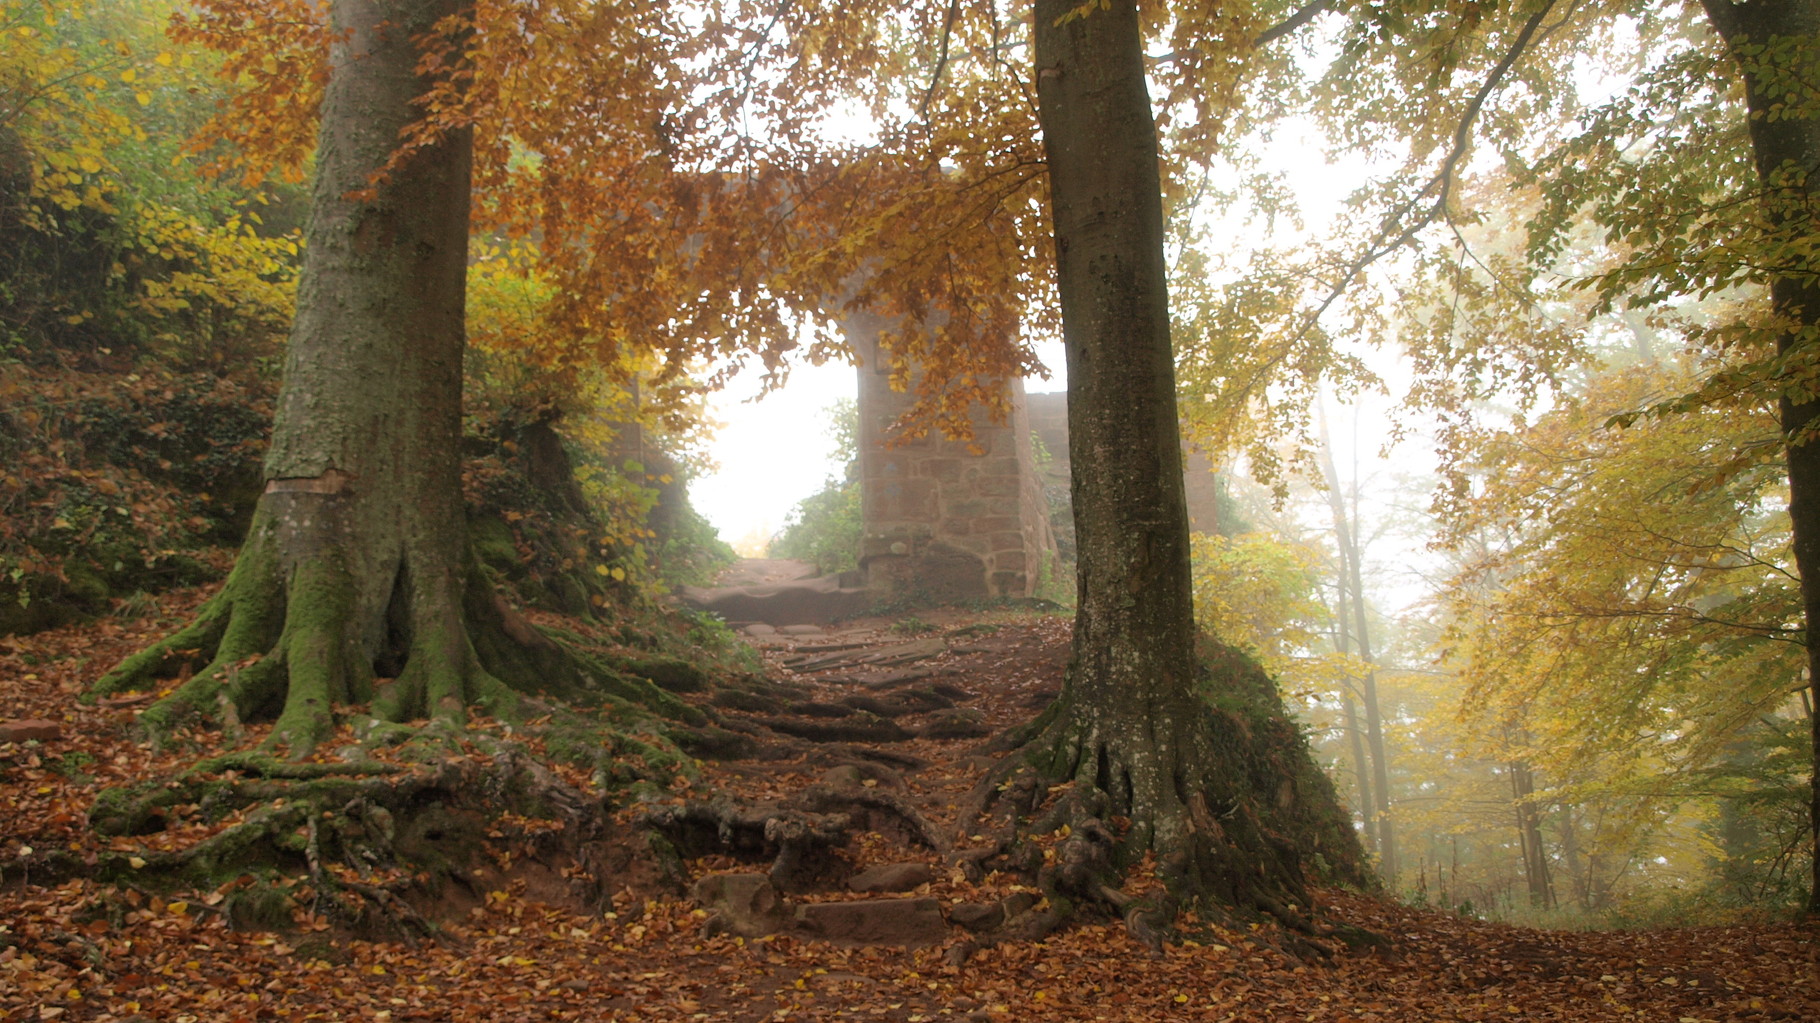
[
  {"x": 356, "y": 582},
  {"x": 1133, "y": 725},
  {"x": 1776, "y": 44}
]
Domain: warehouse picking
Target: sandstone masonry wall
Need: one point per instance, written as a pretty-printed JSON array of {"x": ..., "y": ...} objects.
[{"x": 944, "y": 519}]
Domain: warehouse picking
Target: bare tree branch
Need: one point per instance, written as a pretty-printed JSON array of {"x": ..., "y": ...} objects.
[
  {"x": 1440, "y": 186},
  {"x": 1300, "y": 17},
  {"x": 941, "y": 59}
]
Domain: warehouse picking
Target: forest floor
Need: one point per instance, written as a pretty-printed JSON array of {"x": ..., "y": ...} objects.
[{"x": 516, "y": 945}]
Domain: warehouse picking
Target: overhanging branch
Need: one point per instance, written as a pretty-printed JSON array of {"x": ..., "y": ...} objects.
[{"x": 1297, "y": 19}]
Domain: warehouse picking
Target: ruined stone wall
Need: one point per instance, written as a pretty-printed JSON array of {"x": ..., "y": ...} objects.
[
  {"x": 954, "y": 520},
  {"x": 944, "y": 519}
]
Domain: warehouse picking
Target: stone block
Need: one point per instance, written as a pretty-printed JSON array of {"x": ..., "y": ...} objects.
[
  {"x": 997, "y": 524},
  {"x": 975, "y": 544},
  {"x": 1011, "y": 561},
  {"x": 908, "y": 499},
  {"x": 954, "y": 527},
  {"x": 30, "y": 728},
  {"x": 1008, "y": 541},
  {"x": 997, "y": 486},
  {"x": 1010, "y": 584},
  {"x": 900, "y": 539},
  {"x": 940, "y": 571},
  {"x": 908, "y": 922},
  {"x": 948, "y": 470}
]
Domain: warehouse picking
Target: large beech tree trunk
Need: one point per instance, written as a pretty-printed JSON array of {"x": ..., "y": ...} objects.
[
  {"x": 356, "y": 580},
  {"x": 1217, "y": 795},
  {"x": 1776, "y": 44},
  {"x": 1133, "y": 665}
]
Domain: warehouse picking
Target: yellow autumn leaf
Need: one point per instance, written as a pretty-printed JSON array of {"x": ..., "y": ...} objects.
[
  {"x": 144, "y": 98},
  {"x": 129, "y": 75},
  {"x": 163, "y": 59}
]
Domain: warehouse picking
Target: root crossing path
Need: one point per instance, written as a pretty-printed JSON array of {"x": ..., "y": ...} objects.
[{"x": 833, "y": 870}]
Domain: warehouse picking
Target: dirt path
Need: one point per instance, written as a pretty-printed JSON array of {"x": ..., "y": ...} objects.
[{"x": 862, "y": 745}]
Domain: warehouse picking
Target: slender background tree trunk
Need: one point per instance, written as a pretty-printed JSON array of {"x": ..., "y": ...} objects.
[{"x": 1376, "y": 795}]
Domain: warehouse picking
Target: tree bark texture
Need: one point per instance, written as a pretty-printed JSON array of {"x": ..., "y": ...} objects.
[
  {"x": 1133, "y": 633},
  {"x": 356, "y": 581},
  {"x": 1134, "y": 724},
  {"x": 1776, "y": 44}
]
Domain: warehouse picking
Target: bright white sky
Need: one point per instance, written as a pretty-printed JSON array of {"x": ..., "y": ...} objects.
[{"x": 772, "y": 452}]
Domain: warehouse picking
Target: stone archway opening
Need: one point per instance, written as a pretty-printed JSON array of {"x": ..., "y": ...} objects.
[{"x": 943, "y": 520}]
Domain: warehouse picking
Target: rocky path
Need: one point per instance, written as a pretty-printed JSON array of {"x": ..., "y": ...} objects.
[
  {"x": 780, "y": 593},
  {"x": 842, "y": 823},
  {"x": 828, "y": 873}
]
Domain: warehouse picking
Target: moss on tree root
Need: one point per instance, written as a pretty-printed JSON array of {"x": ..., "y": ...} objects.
[{"x": 285, "y": 645}]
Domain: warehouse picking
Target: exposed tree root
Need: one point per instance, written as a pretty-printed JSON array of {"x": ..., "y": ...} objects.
[
  {"x": 877, "y": 811},
  {"x": 369, "y": 837},
  {"x": 1221, "y": 803},
  {"x": 801, "y": 846},
  {"x": 294, "y": 646}
]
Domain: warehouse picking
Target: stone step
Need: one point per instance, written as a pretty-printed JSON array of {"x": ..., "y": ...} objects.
[{"x": 748, "y": 905}]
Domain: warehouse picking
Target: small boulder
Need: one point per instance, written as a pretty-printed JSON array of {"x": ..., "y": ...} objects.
[
  {"x": 892, "y": 877},
  {"x": 746, "y": 905}
]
